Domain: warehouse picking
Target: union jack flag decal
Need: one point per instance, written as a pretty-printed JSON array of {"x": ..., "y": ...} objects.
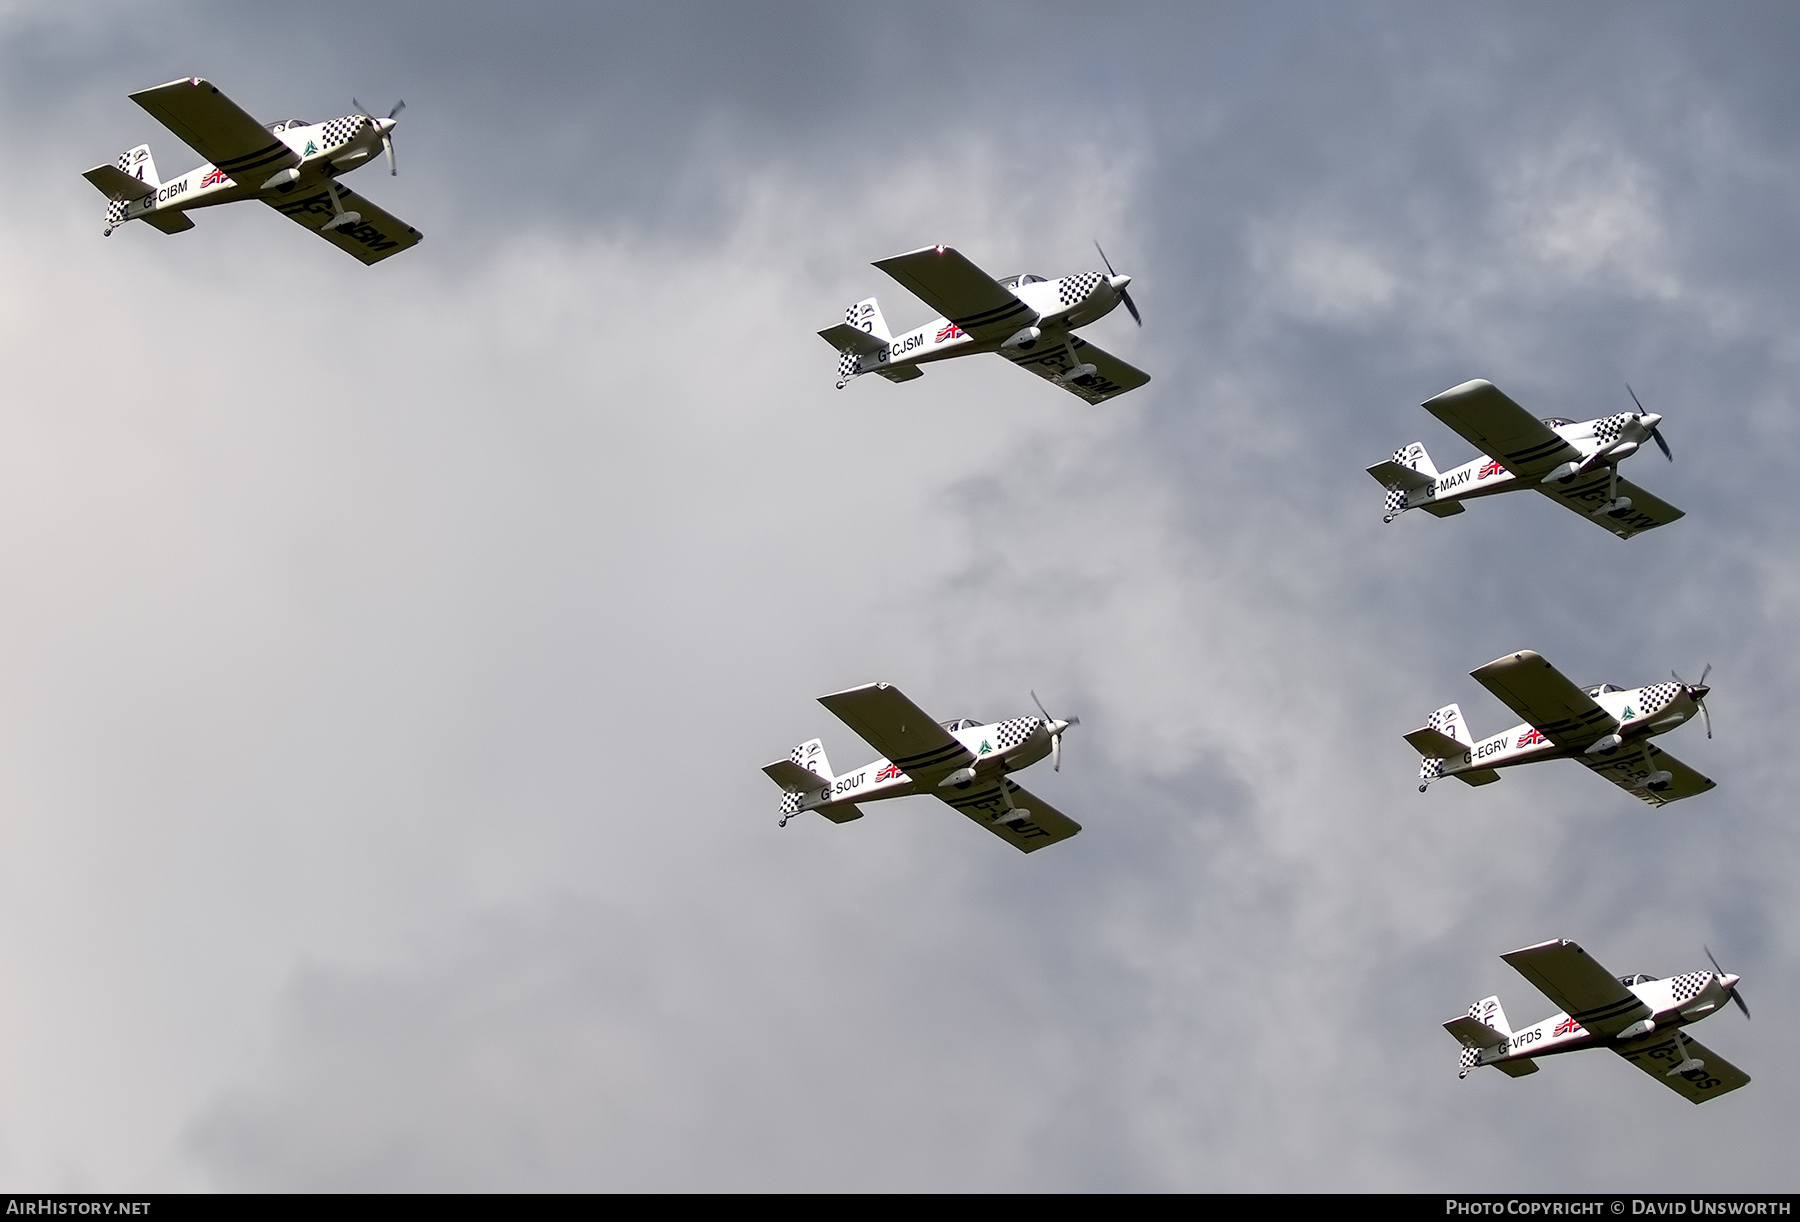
[
  {"x": 1529, "y": 738},
  {"x": 215, "y": 178},
  {"x": 1567, "y": 1026},
  {"x": 947, "y": 331},
  {"x": 1492, "y": 468},
  {"x": 889, "y": 773}
]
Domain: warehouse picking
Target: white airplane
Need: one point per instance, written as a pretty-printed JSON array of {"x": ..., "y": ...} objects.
[
  {"x": 1574, "y": 464},
  {"x": 1607, "y": 728},
  {"x": 292, "y": 166},
  {"x": 1026, "y": 319},
  {"x": 962, "y": 762},
  {"x": 1639, "y": 1017}
]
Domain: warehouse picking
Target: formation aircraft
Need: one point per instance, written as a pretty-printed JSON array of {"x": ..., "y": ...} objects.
[
  {"x": 292, "y": 166},
  {"x": 1638, "y": 1016},
  {"x": 1026, "y": 319},
  {"x": 963, "y": 763},
  {"x": 1607, "y": 728},
  {"x": 1574, "y": 464}
]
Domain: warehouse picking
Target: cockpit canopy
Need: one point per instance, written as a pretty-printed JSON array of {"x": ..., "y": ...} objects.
[
  {"x": 281, "y": 125},
  {"x": 1600, "y": 689},
  {"x": 962, "y": 723},
  {"x": 1557, "y": 422},
  {"x": 1637, "y": 978},
  {"x": 1013, "y": 282}
]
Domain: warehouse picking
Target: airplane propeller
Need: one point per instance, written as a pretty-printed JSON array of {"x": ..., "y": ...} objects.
[
  {"x": 1056, "y": 727},
  {"x": 385, "y": 127},
  {"x": 1731, "y": 991},
  {"x": 1118, "y": 282},
  {"x": 1655, "y": 428},
  {"x": 1697, "y": 693}
]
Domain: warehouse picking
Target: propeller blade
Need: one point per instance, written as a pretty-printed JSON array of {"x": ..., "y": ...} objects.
[
  {"x": 1703, "y": 675},
  {"x": 1740, "y": 1003},
  {"x": 1705, "y": 717},
  {"x": 387, "y": 144},
  {"x": 1125, "y": 296},
  {"x": 361, "y": 109},
  {"x": 1056, "y": 753},
  {"x": 1105, "y": 260},
  {"x": 1721, "y": 972},
  {"x": 1717, "y": 970},
  {"x": 1041, "y": 708},
  {"x": 1634, "y": 398},
  {"x": 1657, "y": 437},
  {"x": 398, "y": 107}
]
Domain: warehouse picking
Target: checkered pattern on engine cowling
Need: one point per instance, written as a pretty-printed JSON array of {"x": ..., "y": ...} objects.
[
  {"x": 1071, "y": 289},
  {"x": 1010, "y": 733},
  {"x": 1657, "y": 696},
  {"x": 1607, "y": 431},
  {"x": 341, "y": 131},
  {"x": 1688, "y": 985}
]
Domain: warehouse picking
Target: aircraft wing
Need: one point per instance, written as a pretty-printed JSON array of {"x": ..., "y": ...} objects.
[
  {"x": 1628, "y": 767},
  {"x": 1111, "y": 375},
  {"x": 1501, "y": 429},
  {"x": 378, "y": 235},
  {"x": 1590, "y": 490},
  {"x": 899, "y": 730},
  {"x": 218, "y": 129},
  {"x": 961, "y": 292},
  {"x": 1657, "y": 1053},
  {"x": 1587, "y": 992},
  {"x": 981, "y": 801},
  {"x": 1539, "y": 693}
]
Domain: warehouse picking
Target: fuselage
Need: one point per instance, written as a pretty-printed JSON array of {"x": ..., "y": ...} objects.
[
  {"x": 325, "y": 151},
  {"x": 1641, "y": 712},
  {"x": 1674, "y": 1002},
  {"x": 1619, "y": 436},
  {"x": 1061, "y": 305},
  {"x": 998, "y": 747}
]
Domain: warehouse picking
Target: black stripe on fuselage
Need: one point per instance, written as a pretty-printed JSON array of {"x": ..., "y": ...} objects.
[
  {"x": 1616, "y": 1009},
  {"x": 988, "y": 318}
]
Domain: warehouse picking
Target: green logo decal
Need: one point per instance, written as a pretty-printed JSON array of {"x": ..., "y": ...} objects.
[
  {"x": 1628, "y": 714},
  {"x": 311, "y": 148},
  {"x": 984, "y": 747}
]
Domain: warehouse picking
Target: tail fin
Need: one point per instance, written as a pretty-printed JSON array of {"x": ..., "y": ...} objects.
[
  {"x": 1488, "y": 1013},
  {"x": 1443, "y": 736},
  {"x": 1414, "y": 458},
  {"x": 811, "y": 756},
  {"x": 137, "y": 163},
  {"x": 866, "y": 316}
]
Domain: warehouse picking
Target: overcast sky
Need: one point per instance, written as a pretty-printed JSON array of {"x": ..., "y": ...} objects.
[{"x": 388, "y": 655}]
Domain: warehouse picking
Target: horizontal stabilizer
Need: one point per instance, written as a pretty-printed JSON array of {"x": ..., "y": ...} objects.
[
  {"x": 116, "y": 184},
  {"x": 901, "y": 373},
  {"x": 1516, "y": 1069},
  {"x": 1434, "y": 744},
  {"x": 1443, "y": 509},
  {"x": 792, "y": 777},
  {"x": 1473, "y": 1033},
  {"x": 846, "y": 338},
  {"x": 1391, "y": 474},
  {"x": 168, "y": 222},
  {"x": 840, "y": 812},
  {"x": 1481, "y": 776}
]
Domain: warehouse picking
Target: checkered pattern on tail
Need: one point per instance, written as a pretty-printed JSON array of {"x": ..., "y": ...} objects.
[
  {"x": 1073, "y": 289},
  {"x": 116, "y": 210},
  {"x": 1393, "y": 501},
  {"x": 790, "y": 804},
  {"x": 1469, "y": 1059},
  {"x": 846, "y": 363},
  {"x": 1431, "y": 769},
  {"x": 1688, "y": 985}
]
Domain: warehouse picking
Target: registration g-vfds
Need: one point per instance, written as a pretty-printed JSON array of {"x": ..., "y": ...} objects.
[
  {"x": 1027, "y": 319},
  {"x": 291, "y": 165}
]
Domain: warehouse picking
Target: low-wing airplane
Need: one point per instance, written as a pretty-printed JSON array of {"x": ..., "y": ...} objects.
[
  {"x": 962, "y": 762},
  {"x": 1607, "y": 728},
  {"x": 1639, "y": 1017},
  {"x": 1574, "y": 464},
  {"x": 292, "y": 166},
  {"x": 1026, "y": 319}
]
